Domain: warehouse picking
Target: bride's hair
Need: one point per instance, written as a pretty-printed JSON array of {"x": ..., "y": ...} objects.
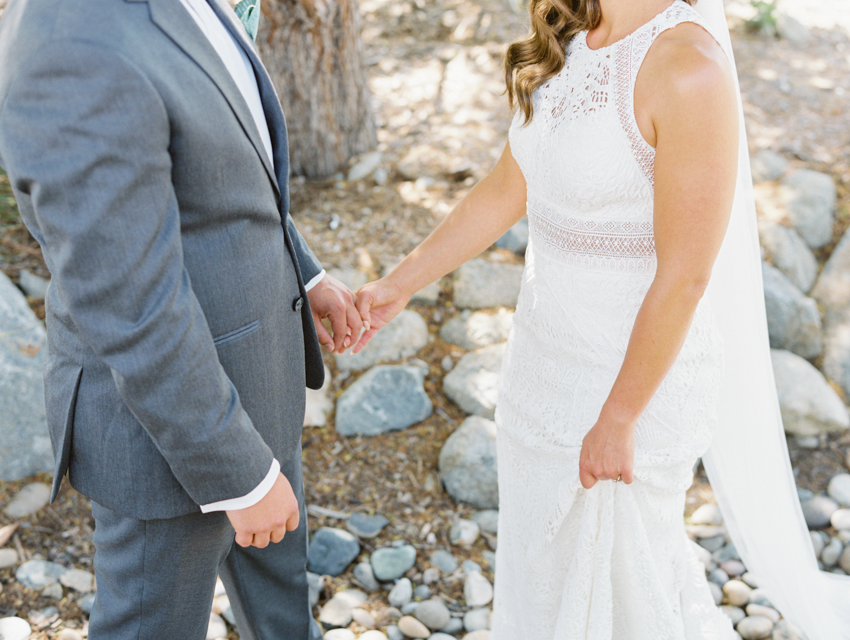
[{"x": 538, "y": 56}]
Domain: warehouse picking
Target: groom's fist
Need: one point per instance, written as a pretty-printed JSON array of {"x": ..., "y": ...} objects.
[{"x": 269, "y": 519}]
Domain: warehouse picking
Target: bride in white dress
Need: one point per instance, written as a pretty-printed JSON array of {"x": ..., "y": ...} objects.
[{"x": 624, "y": 154}]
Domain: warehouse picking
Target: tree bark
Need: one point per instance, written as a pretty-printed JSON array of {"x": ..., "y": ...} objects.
[{"x": 313, "y": 52}]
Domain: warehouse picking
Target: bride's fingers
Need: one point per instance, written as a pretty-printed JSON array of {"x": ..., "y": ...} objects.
[
  {"x": 364, "y": 340},
  {"x": 586, "y": 477},
  {"x": 365, "y": 300}
]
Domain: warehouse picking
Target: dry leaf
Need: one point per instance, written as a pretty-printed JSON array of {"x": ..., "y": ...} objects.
[{"x": 6, "y": 533}]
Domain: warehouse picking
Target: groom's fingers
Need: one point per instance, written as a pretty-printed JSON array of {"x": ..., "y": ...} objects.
[
  {"x": 355, "y": 323},
  {"x": 261, "y": 540},
  {"x": 269, "y": 519},
  {"x": 244, "y": 539},
  {"x": 339, "y": 327},
  {"x": 292, "y": 522},
  {"x": 324, "y": 337}
]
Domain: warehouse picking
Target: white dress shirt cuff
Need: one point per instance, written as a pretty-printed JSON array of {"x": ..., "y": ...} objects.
[
  {"x": 315, "y": 280},
  {"x": 249, "y": 500}
]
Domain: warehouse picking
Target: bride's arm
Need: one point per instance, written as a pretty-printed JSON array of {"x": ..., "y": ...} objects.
[
  {"x": 484, "y": 214},
  {"x": 694, "y": 117}
]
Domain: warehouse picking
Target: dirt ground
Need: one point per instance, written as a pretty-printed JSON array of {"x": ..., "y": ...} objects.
[{"x": 435, "y": 73}]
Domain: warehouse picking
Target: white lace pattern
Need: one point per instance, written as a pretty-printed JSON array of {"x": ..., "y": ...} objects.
[{"x": 611, "y": 563}]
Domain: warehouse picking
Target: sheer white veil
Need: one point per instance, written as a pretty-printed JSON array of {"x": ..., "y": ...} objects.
[{"x": 748, "y": 464}]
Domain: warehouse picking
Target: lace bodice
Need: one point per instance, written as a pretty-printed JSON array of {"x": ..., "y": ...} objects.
[{"x": 589, "y": 171}]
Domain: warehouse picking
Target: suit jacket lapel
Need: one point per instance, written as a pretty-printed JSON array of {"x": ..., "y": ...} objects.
[
  {"x": 171, "y": 17},
  {"x": 268, "y": 95},
  {"x": 274, "y": 118}
]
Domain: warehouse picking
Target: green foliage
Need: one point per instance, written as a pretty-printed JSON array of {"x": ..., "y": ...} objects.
[{"x": 764, "y": 21}]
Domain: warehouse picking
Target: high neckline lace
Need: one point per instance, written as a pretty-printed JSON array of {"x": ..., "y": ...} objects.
[{"x": 583, "y": 36}]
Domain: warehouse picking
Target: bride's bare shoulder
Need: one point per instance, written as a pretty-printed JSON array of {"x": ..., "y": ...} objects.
[
  {"x": 685, "y": 73},
  {"x": 687, "y": 58},
  {"x": 685, "y": 76}
]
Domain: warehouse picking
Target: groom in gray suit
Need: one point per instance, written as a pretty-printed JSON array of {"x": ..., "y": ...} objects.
[{"x": 148, "y": 154}]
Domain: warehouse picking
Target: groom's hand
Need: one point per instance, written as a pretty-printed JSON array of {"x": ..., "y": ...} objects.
[
  {"x": 333, "y": 300},
  {"x": 269, "y": 519}
]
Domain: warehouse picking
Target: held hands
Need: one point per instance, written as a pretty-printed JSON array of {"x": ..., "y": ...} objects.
[
  {"x": 269, "y": 519},
  {"x": 378, "y": 302},
  {"x": 607, "y": 453},
  {"x": 331, "y": 299}
]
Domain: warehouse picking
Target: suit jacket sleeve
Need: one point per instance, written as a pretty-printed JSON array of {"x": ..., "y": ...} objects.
[
  {"x": 308, "y": 263},
  {"x": 85, "y": 135}
]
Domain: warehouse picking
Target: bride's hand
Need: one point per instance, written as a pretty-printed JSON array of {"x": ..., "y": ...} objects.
[
  {"x": 378, "y": 302},
  {"x": 607, "y": 453}
]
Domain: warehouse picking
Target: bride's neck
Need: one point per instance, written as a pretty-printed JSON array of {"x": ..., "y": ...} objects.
[{"x": 621, "y": 17}]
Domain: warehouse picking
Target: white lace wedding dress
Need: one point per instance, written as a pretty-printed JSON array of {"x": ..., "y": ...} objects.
[{"x": 614, "y": 562}]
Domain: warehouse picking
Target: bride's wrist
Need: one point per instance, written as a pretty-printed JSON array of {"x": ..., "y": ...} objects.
[
  {"x": 398, "y": 282},
  {"x": 409, "y": 276},
  {"x": 622, "y": 418}
]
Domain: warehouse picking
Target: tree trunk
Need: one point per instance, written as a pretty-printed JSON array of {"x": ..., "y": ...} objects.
[{"x": 313, "y": 53}]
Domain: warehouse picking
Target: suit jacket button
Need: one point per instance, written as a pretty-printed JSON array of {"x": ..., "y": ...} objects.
[{"x": 297, "y": 303}]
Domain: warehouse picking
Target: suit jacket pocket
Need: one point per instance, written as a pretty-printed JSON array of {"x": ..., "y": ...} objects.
[{"x": 241, "y": 332}]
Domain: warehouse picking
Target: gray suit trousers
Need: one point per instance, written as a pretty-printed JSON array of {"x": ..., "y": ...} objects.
[{"x": 155, "y": 578}]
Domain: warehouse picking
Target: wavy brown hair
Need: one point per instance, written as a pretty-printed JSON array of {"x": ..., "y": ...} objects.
[{"x": 540, "y": 55}]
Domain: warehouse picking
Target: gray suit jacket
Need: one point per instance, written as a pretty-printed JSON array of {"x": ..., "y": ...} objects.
[{"x": 179, "y": 333}]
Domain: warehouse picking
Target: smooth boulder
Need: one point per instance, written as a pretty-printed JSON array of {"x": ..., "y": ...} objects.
[
  {"x": 337, "y": 610},
  {"x": 836, "y": 357},
  {"x": 318, "y": 405},
  {"x": 808, "y": 404},
  {"x": 473, "y": 331},
  {"x": 473, "y": 384},
  {"x": 793, "y": 320},
  {"x": 832, "y": 290},
  {"x": 767, "y": 165},
  {"x": 516, "y": 238},
  {"x": 810, "y": 198},
  {"x": 14, "y": 628},
  {"x": 365, "y": 526},
  {"x": 391, "y": 563},
  {"x": 24, "y": 440},
  {"x": 29, "y": 500},
  {"x": 385, "y": 398},
  {"x": 402, "y": 337},
  {"x": 480, "y": 284},
  {"x": 818, "y": 511},
  {"x": 331, "y": 551},
  {"x": 790, "y": 254},
  {"x": 839, "y": 489},
  {"x": 468, "y": 463}
]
